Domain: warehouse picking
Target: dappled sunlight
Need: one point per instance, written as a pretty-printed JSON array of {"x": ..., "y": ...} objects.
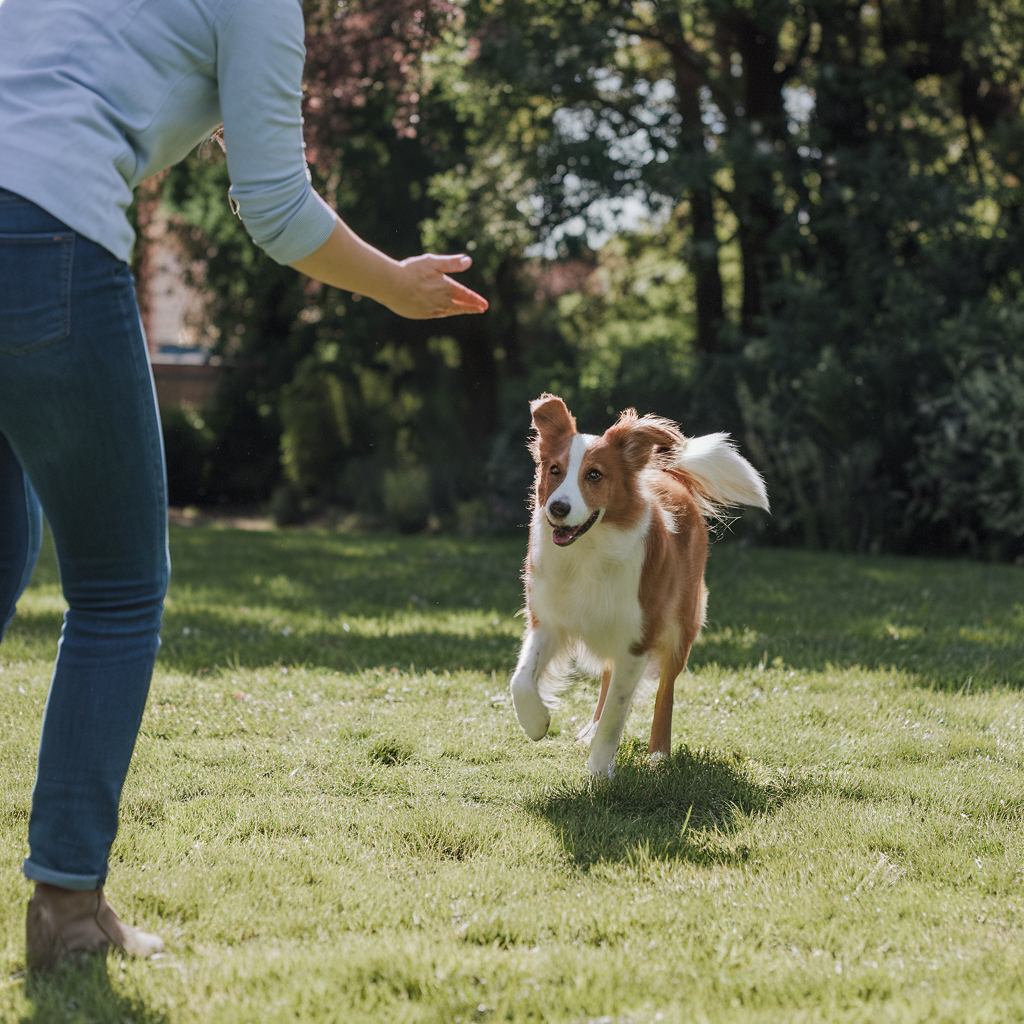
[
  {"x": 41, "y": 602},
  {"x": 943, "y": 623},
  {"x": 341, "y": 602},
  {"x": 204, "y": 638},
  {"x": 328, "y": 768},
  {"x": 345, "y": 601},
  {"x": 339, "y": 574}
]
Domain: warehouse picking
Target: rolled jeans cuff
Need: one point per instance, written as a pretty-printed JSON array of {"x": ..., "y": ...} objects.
[{"x": 85, "y": 883}]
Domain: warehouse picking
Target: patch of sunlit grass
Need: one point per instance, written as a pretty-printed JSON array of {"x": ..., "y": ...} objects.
[{"x": 333, "y": 816}]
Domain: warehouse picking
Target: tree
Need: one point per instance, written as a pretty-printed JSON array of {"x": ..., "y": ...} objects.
[
  {"x": 830, "y": 187},
  {"x": 368, "y": 97},
  {"x": 862, "y": 160}
]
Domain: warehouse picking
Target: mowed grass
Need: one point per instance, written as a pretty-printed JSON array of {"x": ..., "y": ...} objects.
[{"x": 332, "y": 815}]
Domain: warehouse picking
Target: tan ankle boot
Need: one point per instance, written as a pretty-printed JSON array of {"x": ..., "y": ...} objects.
[{"x": 67, "y": 925}]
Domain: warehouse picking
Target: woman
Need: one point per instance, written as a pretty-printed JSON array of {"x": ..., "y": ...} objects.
[{"x": 96, "y": 96}]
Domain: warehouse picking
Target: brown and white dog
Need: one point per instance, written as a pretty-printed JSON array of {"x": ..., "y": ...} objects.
[{"x": 615, "y": 568}]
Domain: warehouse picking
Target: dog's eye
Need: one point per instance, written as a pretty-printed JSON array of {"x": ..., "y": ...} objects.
[
  {"x": 555, "y": 471},
  {"x": 593, "y": 474}
]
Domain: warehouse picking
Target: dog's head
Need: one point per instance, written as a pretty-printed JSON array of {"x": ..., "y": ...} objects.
[{"x": 585, "y": 479}]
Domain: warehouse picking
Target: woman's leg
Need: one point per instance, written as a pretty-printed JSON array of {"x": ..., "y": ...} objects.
[
  {"x": 78, "y": 410},
  {"x": 21, "y": 532}
]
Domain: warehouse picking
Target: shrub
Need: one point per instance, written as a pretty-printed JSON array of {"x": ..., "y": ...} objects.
[
  {"x": 967, "y": 480},
  {"x": 407, "y": 497},
  {"x": 286, "y": 504},
  {"x": 316, "y": 436},
  {"x": 188, "y": 443}
]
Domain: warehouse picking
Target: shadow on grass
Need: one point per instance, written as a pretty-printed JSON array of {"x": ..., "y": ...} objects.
[
  {"x": 690, "y": 807},
  {"x": 942, "y": 623},
  {"x": 343, "y": 574},
  {"x": 214, "y": 641},
  {"x": 79, "y": 994}
]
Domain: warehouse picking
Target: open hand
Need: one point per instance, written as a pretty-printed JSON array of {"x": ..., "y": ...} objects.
[
  {"x": 418, "y": 288},
  {"x": 423, "y": 290}
]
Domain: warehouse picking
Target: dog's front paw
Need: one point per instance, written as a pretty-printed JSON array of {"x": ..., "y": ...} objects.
[
  {"x": 530, "y": 710},
  {"x": 601, "y": 762}
]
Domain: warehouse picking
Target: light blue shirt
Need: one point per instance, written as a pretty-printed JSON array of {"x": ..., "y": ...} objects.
[{"x": 98, "y": 95}]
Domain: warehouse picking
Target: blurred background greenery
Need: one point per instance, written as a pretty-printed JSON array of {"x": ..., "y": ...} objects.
[{"x": 797, "y": 222}]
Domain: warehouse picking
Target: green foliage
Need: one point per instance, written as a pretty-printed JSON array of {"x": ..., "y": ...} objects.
[
  {"x": 833, "y": 194},
  {"x": 857, "y": 165},
  {"x": 317, "y": 431},
  {"x": 407, "y": 497},
  {"x": 252, "y": 305},
  {"x": 188, "y": 442},
  {"x": 968, "y": 476},
  {"x": 631, "y": 329},
  {"x": 322, "y": 389}
]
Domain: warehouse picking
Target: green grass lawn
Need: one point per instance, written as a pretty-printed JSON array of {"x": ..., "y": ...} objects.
[{"x": 332, "y": 814}]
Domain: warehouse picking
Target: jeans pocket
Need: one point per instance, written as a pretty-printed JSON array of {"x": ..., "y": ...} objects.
[{"x": 35, "y": 290}]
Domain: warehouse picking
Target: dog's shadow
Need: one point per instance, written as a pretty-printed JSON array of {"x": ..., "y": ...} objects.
[
  {"x": 84, "y": 993},
  {"x": 694, "y": 806}
]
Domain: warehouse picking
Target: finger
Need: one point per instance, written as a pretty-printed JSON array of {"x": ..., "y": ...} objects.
[
  {"x": 451, "y": 264},
  {"x": 468, "y": 307},
  {"x": 463, "y": 296},
  {"x": 464, "y": 306},
  {"x": 452, "y": 311},
  {"x": 456, "y": 309}
]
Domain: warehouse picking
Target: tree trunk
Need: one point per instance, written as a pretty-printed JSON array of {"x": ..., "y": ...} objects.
[
  {"x": 479, "y": 375},
  {"x": 704, "y": 264},
  {"x": 506, "y": 284},
  {"x": 765, "y": 120},
  {"x": 704, "y": 236}
]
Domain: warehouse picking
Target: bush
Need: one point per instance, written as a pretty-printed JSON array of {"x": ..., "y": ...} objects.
[
  {"x": 188, "y": 442},
  {"x": 509, "y": 473},
  {"x": 286, "y": 505},
  {"x": 316, "y": 437},
  {"x": 967, "y": 481},
  {"x": 825, "y": 492},
  {"x": 407, "y": 498}
]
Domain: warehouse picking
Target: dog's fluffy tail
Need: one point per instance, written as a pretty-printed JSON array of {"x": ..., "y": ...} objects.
[{"x": 718, "y": 473}]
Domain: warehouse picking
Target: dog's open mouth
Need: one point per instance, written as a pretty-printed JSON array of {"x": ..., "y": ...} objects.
[{"x": 563, "y": 536}]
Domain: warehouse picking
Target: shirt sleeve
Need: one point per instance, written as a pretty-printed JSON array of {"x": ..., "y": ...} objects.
[{"x": 260, "y": 55}]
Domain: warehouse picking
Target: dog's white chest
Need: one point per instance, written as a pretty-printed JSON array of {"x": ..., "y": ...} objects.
[{"x": 591, "y": 591}]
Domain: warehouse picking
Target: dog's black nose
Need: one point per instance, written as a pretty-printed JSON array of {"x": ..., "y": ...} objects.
[{"x": 559, "y": 509}]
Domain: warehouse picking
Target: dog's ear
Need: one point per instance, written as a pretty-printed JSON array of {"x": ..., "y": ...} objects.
[
  {"x": 553, "y": 423},
  {"x": 645, "y": 437}
]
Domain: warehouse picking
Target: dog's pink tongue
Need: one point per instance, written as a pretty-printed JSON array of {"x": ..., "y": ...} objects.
[{"x": 563, "y": 534}]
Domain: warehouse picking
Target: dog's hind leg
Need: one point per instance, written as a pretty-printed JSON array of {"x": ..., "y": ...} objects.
[
  {"x": 625, "y": 676},
  {"x": 586, "y": 734},
  {"x": 672, "y": 663},
  {"x": 661, "y": 728},
  {"x": 539, "y": 647}
]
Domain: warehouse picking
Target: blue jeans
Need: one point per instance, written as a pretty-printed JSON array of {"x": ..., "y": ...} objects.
[{"x": 80, "y": 442}]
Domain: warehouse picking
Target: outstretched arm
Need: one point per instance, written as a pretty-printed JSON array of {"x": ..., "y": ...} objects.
[
  {"x": 418, "y": 288},
  {"x": 260, "y": 52}
]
